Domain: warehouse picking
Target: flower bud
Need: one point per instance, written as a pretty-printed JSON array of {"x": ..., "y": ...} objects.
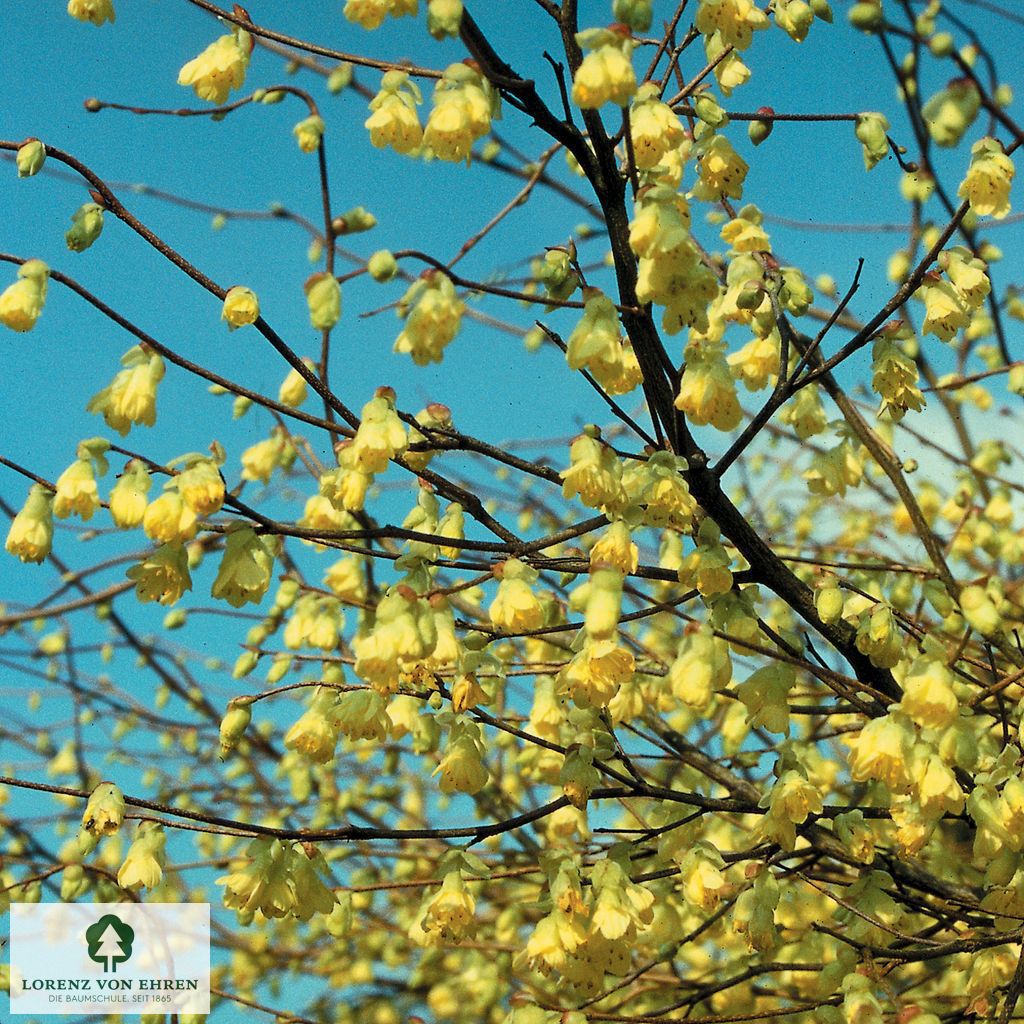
[
  {"x": 871, "y": 131},
  {"x": 309, "y": 132},
  {"x": 31, "y": 532},
  {"x": 866, "y": 15},
  {"x": 31, "y": 157},
  {"x": 758, "y": 131},
  {"x": 323, "y": 296},
  {"x": 340, "y": 78},
  {"x": 22, "y": 302},
  {"x": 234, "y": 723},
  {"x": 353, "y": 221},
  {"x": 105, "y": 810},
  {"x": 382, "y": 266},
  {"x": 444, "y": 18},
  {"x": 86, "y": 225},
  {"x": 637, "y": 14},
  {"x": 709, "y": 110},
  {"x": 241, "y": 307}
]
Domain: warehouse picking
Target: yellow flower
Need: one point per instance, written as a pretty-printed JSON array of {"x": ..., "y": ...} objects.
[
  {"x": 756, "y": 363},
  {"x": 105, "y": 810},
  {"x": 393, "y": 120},
  {"x": 743, "y": 234},
  {"x": 162, "y": 575},
  {"x": 894, "y": 377},
  {"x": 143, "y": 866},
  {"x": 309, "y": 132},
  {"x": 450, "y": 912},
  {"x": 606, "y": 74},
  {"x": 381, "y": 435},
  {"x": 596, "y": 341},
  {"x": 462, "y": 768},
  {"x": 220, "y": 67},
  {"x": 245, "y": 568},
  {"x": 169, "y": 519},
  {"x": 241, "y": 307},
  {"x": 201, "y": 486},
  {"x": 734, "y": 21},
  {"x": 721, "y": 170},
  {"x": 260, "y": 882},
  {"x": 987, "y": 185},
  {"x": 131, "y": 397},
  {"x": 433, "y": 320},
  {"x": 615, "y": 548},
  {"x": 323, "y": 297},
  {"x": 594, "y": 675},
  {"x": 315, "y": 734},
  {"x": 444, "y": 17},
  {"x": 833, "y": 470},
  {"x": 659, "y": 488},
  {"x": 702, "y": 666},
  {"x": 516, "y": 607},
  {"x": 462, "y": 111},
  {"x": 871, "y": 130},
  {"x": 76, "y": 491},
  {"x": 128, "y": 495},
  {"x": 604, "y": 601},
  {"x": 654, "y": 127},
  {"x": 294, "y": 389},
  {"x": 30, "y": 158},
  {"x": 950, "y": 112},
  {"x": 369, "y": 14},
  {"x": 361, "y": 715},
  {"x": 594, "y": 473},
  {"x": 792, "y": 800},
  {"x": 22, "y": 302},
  {"x": 707, "y": 391},
  {"x": 31, "y": 532},
  {"x": 881, "y": 750},
  {"x": 946, "y": 309},
  {"x": 261, "y": 459},
  {"x": 346, "y": 487},
  {"x": 94, "y": 11}
]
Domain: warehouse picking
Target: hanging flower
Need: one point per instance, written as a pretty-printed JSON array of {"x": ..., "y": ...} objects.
[{"x": 220, "y": 67}]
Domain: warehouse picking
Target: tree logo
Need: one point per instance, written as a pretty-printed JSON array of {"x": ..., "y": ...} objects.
[{"x": 110, "y": 942}]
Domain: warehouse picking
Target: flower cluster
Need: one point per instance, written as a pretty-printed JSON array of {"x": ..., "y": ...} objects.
[{"x": 465, "y": 103}]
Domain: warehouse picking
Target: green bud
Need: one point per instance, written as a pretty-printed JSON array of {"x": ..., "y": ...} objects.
[
  {"x": 637, "y": 14},
  {"x": 340, "y": 78},
  {"x": 866, "y": 16},
  {"x": 323, "y": 296},
  {"x": 279, "y": 668},
  {"x": 870, "y": 131},
  {"x": 175, "y": 619},
  {"x": 758, "y": 131},
  {"x": 353, "y": 221},
  {"x": 86, "y": 225},
  {"x": 382, "y": 266},
  {"x": 709, "y": 111},
  {"x": 941, "y": 44},
  {"x": 31, "y": 157},
  {"x": 234, "y": 723},
  {"x": 246, "y": 662},
  {"x": 822, "y": 10}
]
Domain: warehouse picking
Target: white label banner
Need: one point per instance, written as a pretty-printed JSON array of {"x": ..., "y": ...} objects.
[{"x": 99, "y": 958}]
